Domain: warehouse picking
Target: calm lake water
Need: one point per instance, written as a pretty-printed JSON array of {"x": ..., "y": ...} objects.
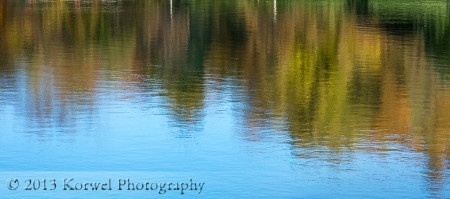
[{"x": 258, "y": 99}]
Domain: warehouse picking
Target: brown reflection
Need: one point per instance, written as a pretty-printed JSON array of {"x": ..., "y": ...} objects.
[
  {"x": 162, "y": 52},
  {"x": 341, "y": 83},
  {"x": 71, "y": 55},
  {"x": 54, "y": 46}
]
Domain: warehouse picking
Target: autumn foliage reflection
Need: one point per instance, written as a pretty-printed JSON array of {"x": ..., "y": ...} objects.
[{"x": 333, "y": 74}]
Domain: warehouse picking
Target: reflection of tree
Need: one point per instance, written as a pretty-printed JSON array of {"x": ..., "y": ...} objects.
[
  {"x": 405, "y": 17},
  {"x": 437, "y": 41},
  {"x": 79, "y": 45},
  {"x": 167, "y": 42},
  {"x": 360, "y": 7},
  {"x": 61, "y": 67},
  {"x": 334, "y": 83}
]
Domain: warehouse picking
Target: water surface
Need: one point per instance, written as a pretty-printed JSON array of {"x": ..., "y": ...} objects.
[{"x": 258, "y": 99}]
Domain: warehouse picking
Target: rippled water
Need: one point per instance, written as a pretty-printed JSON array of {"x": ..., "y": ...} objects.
[{"x": 258, "y": 99}]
